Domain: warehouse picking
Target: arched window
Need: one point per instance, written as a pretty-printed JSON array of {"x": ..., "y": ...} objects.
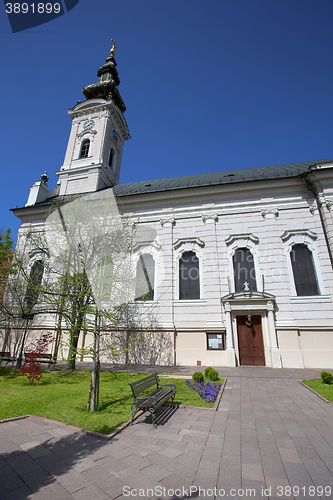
[
  {"x": 85, "y": 148},
  {"x": 304, "y": 272},
  {"x": 189, "y": 282},
  {"x": 111, "y": 157},
  {"x": 34, "y": 283},
  {"x": 145, "y": 275},
  {"x": 244, "y": 271}
]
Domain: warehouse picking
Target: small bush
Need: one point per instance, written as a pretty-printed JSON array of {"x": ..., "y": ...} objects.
[
  {"x": 207, "y": 371},
  {"x": 213, "y": 374},
  {"x": 198, "y": 377},
  {"x": 327, "y": 378}
]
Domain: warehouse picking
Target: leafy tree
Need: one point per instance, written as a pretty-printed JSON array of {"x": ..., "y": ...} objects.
[
  {"x": 83, "y": 274},
  {"x": 6, "y": 249}
]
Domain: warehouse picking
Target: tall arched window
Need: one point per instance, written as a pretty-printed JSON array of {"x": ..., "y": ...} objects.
[
  {"x": 244, "y": 271},
  {"x": 145, "y": 275},
  {"x": 85, "y": 148},
  {"x": 304, "y": 271},
  {"x": 34, "y": 283},
  {"x": 189, "y": 282},
  {"x": 111, "y": 157}
]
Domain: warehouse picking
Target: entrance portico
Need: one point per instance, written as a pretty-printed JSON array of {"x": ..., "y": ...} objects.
[{"x": 243, "y": 336}]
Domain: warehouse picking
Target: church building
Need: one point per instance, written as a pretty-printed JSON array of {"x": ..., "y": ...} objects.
[{"x": 240, "y": 268}]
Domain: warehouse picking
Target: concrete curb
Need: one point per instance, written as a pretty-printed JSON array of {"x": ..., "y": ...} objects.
[{"x": 315, "y": 392}]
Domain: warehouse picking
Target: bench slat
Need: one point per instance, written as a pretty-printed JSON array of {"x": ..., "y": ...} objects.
[{"x": 142, "y": 385}]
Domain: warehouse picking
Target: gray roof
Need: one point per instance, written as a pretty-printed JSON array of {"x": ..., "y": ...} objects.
[
  {"x": 216, "y": 178},
  {"x": 200, "y": 180}
]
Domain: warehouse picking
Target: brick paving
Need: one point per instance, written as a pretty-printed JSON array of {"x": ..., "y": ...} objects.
[{"x": 268, "y": 434}]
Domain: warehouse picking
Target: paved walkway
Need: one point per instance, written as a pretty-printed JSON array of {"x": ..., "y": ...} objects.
[{"x": 268, "y": 434}]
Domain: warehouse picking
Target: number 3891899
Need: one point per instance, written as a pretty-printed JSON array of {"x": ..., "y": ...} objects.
[{"x": 33, "y": 8}]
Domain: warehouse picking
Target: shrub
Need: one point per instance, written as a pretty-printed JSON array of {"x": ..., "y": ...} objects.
[
  {"x": 31, "y": 367},
  {"x": 207, "y": 371},
  {"x": 327, "y": 378},
  {"x": 213, "y": 374},
  {"x": 198, "y": 377}
]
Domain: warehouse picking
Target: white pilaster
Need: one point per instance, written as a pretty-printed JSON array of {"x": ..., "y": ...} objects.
[
  {"x": 231, "y": 358},
  {"x": 275, "y": 351}
]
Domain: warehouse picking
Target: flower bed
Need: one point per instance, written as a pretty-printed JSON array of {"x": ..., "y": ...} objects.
[{"x": 207, "y": 391}]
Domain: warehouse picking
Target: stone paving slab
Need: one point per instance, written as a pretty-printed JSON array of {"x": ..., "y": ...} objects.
[{"x": 268, "y": 434}]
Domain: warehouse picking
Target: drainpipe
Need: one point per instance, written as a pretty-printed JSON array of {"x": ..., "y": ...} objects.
[{"x": 308, "y": 184}]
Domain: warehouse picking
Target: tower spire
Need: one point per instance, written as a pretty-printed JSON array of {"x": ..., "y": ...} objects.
[{"x": 107, "y": 87}]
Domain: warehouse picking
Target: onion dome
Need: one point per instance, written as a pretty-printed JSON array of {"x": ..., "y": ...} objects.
[{"x": 107, "y": 87}]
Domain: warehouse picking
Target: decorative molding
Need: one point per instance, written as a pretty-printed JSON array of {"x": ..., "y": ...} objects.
[
  {"x": 310, "y": 299},
  {"x": 210, "y": 217},
  {"x": 325, "y": 201},
  {"x": 313, "y": 207},
  {"x": 147, "y": 243},
  {"x": 329, "y": 203},
  {"x": 191, "y": 241},
  {"x": 269, "y": 213},
  {"x": 298, "y": 235},
  {"x": 170, "y": 221},
  {"x": 246, "y": 237},
  {"x": 193, "y": 302},
  {"x": 285, "y": 323},
  {"x": 86, "y": 132}
]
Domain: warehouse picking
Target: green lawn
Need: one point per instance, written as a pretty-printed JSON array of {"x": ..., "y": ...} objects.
[
  {"x": 62, "y": 396},
  {"x": 318, "y": 385}
]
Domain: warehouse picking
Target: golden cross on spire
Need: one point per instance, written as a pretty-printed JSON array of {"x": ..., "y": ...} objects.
[{"x": 113, "y": 49}]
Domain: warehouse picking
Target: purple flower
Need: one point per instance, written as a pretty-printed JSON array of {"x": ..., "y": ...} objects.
[{"x": 206, "y": 390}]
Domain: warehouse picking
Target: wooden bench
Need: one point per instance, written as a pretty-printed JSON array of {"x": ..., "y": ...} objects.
[
  {"x": 5, "y": 356},
  {"x": 42, "y": 358},
  {"x": 154, "y": 399}
]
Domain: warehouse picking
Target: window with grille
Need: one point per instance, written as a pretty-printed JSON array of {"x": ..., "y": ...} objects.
[
  {"x": 304, "y": 271},
  {"x": 244, "y": 271},
  {"x": 145, "y": 274},
  {"x": 189, "y": 281},
  {"x": 85, "y": 148}
]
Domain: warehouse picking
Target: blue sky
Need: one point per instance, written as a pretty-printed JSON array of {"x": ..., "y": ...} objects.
[{"x": 209, "y": 86}]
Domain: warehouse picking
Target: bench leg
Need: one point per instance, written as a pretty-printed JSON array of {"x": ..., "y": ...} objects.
[
  {"x": 152, "y": 412},
  {"x": 134, "y": 410}
]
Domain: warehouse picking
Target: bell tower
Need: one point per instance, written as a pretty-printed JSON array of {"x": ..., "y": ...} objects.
[{"x": 99, "y": 130}]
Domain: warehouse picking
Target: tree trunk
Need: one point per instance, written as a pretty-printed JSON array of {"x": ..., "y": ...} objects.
[
  {"x": 93, "y": 399},
  {"x": 74, "y": 340},
  {"x": 82, "y": 292}
]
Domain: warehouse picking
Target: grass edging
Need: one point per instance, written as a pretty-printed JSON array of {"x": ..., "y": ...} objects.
[
  {"x": 315, "y": 392},
  {"x": 78, "y": 429},
  {"x": 12, "y": 419}
]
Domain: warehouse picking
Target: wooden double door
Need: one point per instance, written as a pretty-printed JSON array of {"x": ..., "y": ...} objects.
[{"x": 250, "y": 341}]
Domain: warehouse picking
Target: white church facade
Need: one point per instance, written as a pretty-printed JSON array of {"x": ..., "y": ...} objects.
[{"x": 241, "y": 261}]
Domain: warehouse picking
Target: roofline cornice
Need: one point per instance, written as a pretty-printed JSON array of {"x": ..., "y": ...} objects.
[{"x": 189, "y": 192}]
